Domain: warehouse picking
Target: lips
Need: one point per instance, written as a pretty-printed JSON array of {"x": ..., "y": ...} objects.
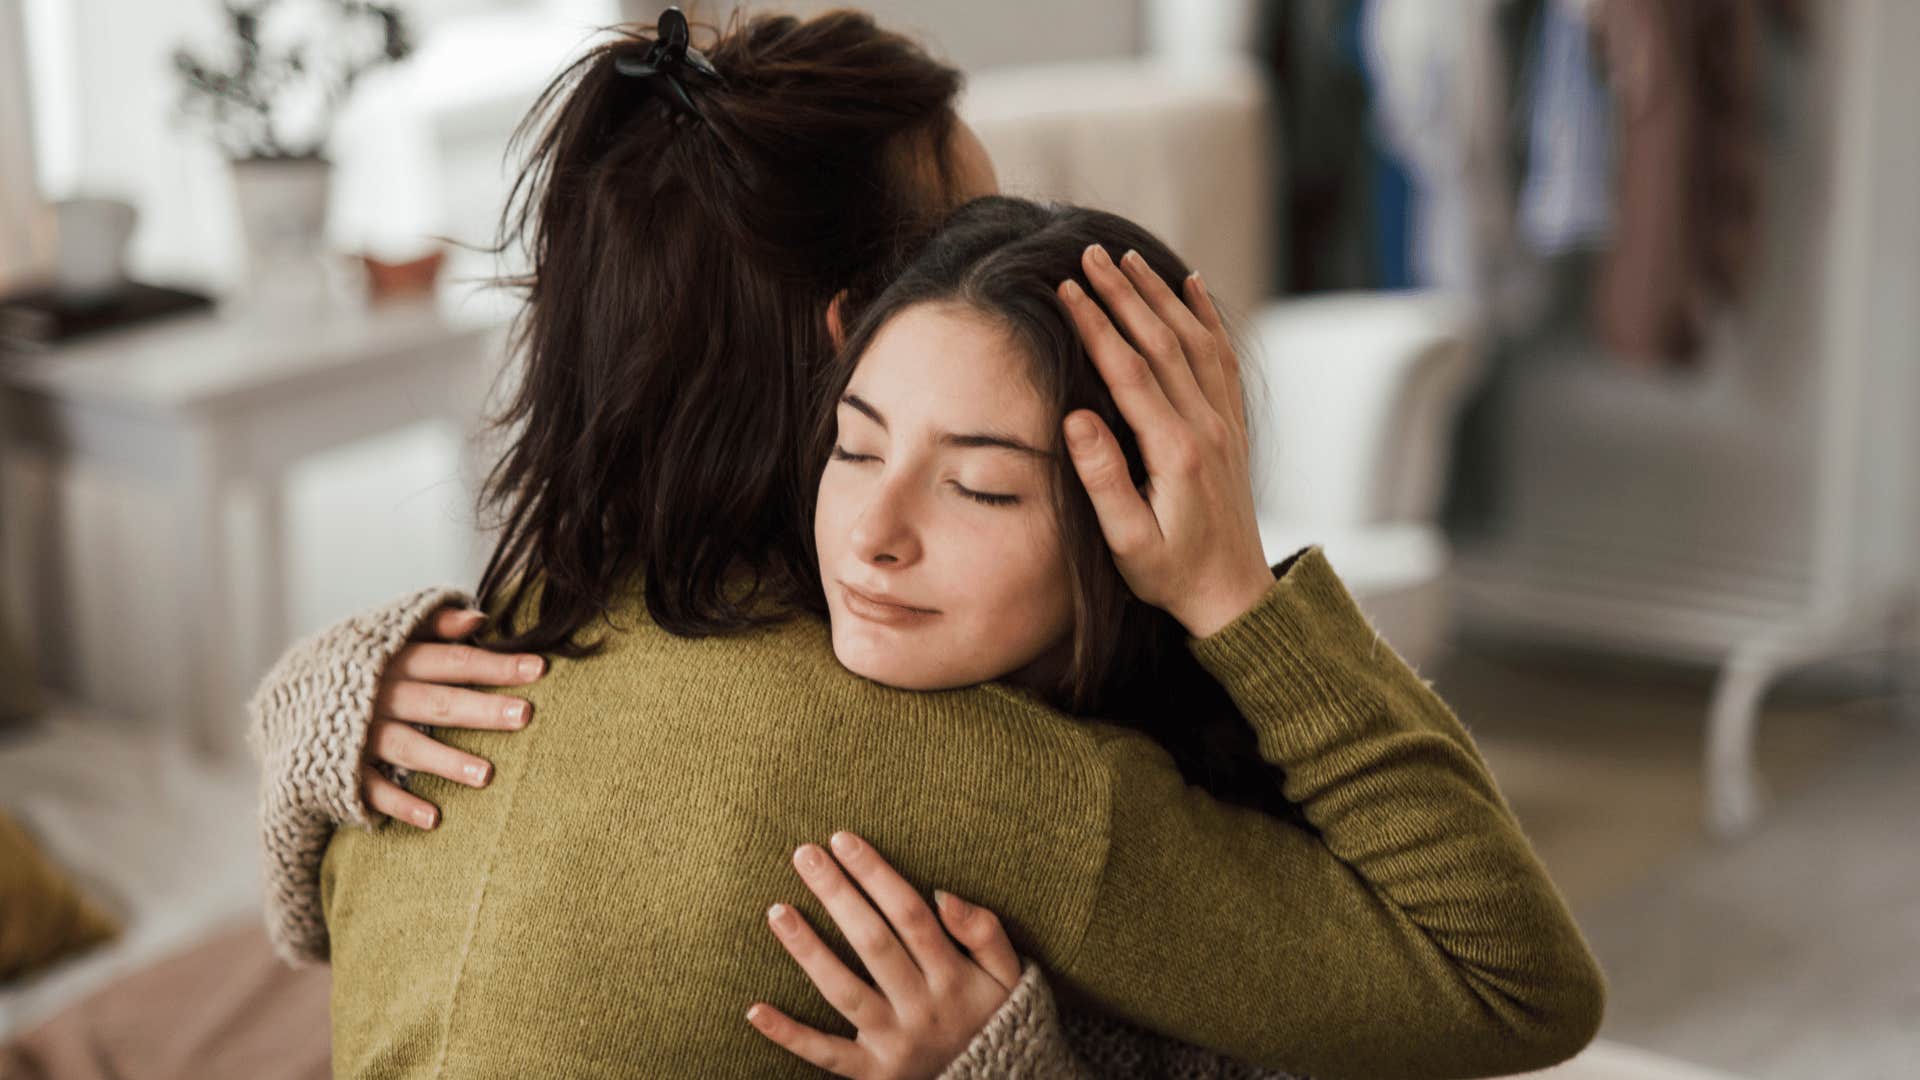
[{"x": 878, "y": 609}]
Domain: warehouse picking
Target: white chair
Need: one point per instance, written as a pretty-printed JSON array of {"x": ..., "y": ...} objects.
[{"x": 1354, "y": 402}]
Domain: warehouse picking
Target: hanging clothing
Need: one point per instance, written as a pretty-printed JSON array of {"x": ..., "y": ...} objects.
[
  {"x": 1438, "y": 110},
  {"x": 1685, "y": 78},
  {"x": 1566, "y": 201},
  {"x": 1320, "y": 119}
]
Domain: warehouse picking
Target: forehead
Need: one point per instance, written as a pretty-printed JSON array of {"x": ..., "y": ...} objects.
[{"x": 948, "y": 365}]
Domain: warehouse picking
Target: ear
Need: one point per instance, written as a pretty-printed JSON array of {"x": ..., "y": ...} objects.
[{"x": 836, "y": 327}]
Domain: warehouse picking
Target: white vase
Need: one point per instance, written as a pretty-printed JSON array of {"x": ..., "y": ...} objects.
[{"x": 283, "y": 215}]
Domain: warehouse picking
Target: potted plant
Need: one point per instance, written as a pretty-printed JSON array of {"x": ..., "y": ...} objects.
[{"x": 270, "y": 99}]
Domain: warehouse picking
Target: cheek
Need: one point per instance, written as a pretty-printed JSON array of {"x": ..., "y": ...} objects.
[
  {"x": 1027, "y": 596},
  {"x": 829, "y": 511}
]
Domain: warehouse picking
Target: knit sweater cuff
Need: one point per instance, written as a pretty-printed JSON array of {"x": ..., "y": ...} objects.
[
  {"x": 1301, "y": 652},
  {"x": 1024, "y": 1038},
  {"x": 310, "y": 719}
]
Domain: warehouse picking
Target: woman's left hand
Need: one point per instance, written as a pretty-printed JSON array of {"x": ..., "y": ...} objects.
[
  {"x": 932, "y": 999},
  {"x": 1188, "y": 541}
]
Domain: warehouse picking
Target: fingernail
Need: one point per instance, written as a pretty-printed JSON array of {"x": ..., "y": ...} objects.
[
  {"x": 780, "y": 916},
  {"x": 531, "y": 666},
  {"x": 949, "y": 903},
  {"x": 753, "y": 1016},
  {"x": 1099, "y": 254},
  {"x": 516, "y": 713},
  {"x": 1072, "y": 289},
  {"x": 809, "y": 857},
  {"x": 477, "y": 773},
  {"x": 846, "y": 844},
  {"x": 1133, "y": 258},
  {"x": 1079, "y": 432},
  {"x": 425, "y": 818}
]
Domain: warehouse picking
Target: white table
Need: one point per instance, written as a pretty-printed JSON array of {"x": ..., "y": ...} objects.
[{"x": 201, "y": 407}]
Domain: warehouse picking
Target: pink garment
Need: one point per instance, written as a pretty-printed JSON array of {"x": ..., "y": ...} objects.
[{"x": 1685, "y": 75}]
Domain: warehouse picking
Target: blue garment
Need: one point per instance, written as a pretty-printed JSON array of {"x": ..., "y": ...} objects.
[
  {"x": 1566, "y": 199},
  {"x": 1436, "y": 79},
  {"x": 1389, "y": 191},
  {"x": 1392, "y": 240}
]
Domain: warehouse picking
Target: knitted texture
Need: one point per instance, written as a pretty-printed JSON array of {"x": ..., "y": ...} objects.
[
  {"x": 1023, "y": 1038},
  {"x": 309, "y": 722},
  {"x": 1032, "y": 1037},
  {"x": 1115, "y": 1050},
  {"x": 311, "y": 718},
  {"x": 1404, "y": 929}
]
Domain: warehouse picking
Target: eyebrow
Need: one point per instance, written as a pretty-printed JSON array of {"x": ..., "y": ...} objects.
[{"x": 970, "y": 440}]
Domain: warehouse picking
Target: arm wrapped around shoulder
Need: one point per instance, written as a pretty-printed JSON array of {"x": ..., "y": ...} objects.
[{"x": 308, "y": 725}]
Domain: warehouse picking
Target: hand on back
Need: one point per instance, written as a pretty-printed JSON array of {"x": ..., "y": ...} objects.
[
  {"x": 931, "y": 997},
  {"x": 428, "y": 683}
]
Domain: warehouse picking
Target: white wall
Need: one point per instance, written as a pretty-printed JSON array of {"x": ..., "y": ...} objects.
[
  {"x": 367, "y": 522},
  {"x": 105, "y": 106},
  {"x": 105, "y": 96},
  {"x": 975, "y": 34},
  {"x": 24, "y": 240}
]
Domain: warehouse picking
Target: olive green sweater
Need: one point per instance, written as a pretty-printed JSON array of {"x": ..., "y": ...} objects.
[{"x": 597, "y": 911}]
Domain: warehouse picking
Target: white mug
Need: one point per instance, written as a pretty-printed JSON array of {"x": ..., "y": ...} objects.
[{"x": 92, "y": 236}]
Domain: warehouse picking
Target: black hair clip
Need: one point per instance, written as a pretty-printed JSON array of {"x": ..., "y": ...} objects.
[{"x": 669, "y": 60}]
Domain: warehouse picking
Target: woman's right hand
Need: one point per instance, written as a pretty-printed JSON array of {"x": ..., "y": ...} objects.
[
  {"x": 928, "y": 999},
  {"x": 426, "y": 684}
]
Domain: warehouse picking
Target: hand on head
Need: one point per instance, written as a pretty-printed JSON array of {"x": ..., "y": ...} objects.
[{"x": 1189, "y": 542}]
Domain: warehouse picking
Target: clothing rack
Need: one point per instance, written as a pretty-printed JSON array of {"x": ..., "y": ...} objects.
[{"x": 1762, "y": 512}]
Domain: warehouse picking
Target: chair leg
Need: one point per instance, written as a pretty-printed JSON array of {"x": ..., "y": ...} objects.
[{"x": 1733, "y": 786}]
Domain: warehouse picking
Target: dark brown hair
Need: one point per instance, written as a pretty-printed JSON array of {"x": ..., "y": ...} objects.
[
  {"x": 1129, "y": 661},
  {"x": 680, "y": 270}
]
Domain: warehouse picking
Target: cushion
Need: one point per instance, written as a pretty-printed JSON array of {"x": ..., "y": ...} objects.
[{"x": 43, "y": 915}]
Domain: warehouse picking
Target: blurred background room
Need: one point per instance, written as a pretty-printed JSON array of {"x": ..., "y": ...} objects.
[{"x": 1587, "y": 335}]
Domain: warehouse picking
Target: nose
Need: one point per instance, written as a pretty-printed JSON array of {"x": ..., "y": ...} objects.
[{"x": 885, "y": 534}]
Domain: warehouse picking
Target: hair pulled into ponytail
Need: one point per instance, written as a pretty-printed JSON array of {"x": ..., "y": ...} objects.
[{"x": 680, "y": 265}]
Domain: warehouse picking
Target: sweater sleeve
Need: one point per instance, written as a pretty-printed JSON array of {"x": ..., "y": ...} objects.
[
  {"x": 1029, "y": 1036},
  {"x": 308, "y": 726},
  {"x": 1023, "y": 1038},
  {"x": 1407, "y": 930}
]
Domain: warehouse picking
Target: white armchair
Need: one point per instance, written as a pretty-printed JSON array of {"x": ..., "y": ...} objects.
[{"x": 1353, "y": 406}]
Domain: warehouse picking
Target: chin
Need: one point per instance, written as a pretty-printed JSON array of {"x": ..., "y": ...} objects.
[{"x": 886, "y": 665}]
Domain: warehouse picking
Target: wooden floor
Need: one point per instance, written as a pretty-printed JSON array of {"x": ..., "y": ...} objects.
[{"x": 1791, "y": 953}]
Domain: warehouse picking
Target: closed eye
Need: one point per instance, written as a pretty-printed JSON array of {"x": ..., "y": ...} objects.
[
  {"x": 841, "y": 454},
  {"x": 987, "y": 498}
]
